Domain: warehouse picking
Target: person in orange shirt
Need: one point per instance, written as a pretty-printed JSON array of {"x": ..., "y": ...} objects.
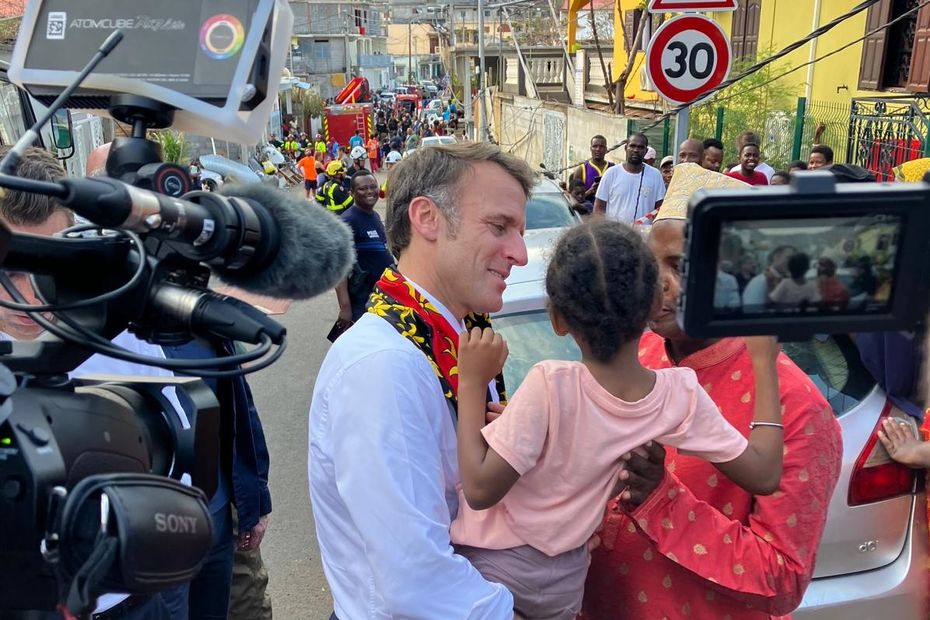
[
  {"x": 374, "y": 152},
  {"x": 308, "y": 164}
]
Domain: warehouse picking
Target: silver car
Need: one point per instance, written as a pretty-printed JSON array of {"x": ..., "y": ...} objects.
[{"x": 872, "y": 560}]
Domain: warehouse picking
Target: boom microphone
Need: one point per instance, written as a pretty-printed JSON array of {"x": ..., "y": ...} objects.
[
  {"x": 259, "y": 239},
  {"x": 316, "y": 248}
]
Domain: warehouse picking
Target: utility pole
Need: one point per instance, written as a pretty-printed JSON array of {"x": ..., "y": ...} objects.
[
  {"x": 345, "y": 38},
  {"x": 409, "y": 49},
  {"x": 482, "y": 82}
]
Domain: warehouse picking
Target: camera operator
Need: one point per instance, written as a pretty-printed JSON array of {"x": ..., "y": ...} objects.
[
  {"x": 29, "y": 213},
  {"x": 243, "y": 480},
  {"x": 709, "y": 546},
  {"x": 244, "y": 457}
]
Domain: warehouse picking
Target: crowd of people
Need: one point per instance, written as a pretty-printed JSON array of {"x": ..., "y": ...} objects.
[{"x": 659, "y": 476}]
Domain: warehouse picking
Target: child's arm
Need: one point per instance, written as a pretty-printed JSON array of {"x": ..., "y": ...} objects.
[
  {"x": 902, "y": 445},
  {"x": 486, "y": 477},
  {"x": 758, "y": 468}
]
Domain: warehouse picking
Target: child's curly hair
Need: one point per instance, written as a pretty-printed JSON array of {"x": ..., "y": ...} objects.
[{"x": 602, "y": 282}]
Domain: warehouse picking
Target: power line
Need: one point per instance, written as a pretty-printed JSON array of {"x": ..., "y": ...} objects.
[
  {"x": 753, "y": 69},
  {"x": 900, "y": 17}
]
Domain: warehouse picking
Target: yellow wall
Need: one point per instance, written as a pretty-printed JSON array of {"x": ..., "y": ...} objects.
[{"x": 785, "y": 21}]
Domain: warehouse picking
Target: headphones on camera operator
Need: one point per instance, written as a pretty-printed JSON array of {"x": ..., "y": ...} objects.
[{"x": 90, "y": 496}]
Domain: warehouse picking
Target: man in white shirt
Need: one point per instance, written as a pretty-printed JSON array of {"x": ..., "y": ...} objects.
[
  {"x": 383, "y": 466},
  {"x": 631, "y": 190},
  {"x": 750, "y": 137}
]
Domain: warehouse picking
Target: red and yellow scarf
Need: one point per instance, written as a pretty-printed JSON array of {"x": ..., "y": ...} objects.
[{"x": 396, "y": 300}]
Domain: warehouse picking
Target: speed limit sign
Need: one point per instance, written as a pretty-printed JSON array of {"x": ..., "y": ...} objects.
[{"x": 688, "y": 56}]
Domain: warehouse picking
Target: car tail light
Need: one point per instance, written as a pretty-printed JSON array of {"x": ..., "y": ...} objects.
[{"x": 876, "y": 477}]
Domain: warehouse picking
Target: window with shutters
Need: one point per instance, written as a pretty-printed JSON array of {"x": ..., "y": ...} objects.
[
  {"x": 744, "y": 39},
  {"x": 896, "y": 58}
]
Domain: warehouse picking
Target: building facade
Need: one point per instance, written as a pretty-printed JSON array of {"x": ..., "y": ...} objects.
[{"x": 335, "y": 41}]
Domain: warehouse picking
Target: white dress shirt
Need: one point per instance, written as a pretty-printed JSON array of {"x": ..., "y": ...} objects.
[{"x": 383, "y": 472}]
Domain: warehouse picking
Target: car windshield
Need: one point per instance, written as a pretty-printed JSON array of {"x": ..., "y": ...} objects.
[
  {"x": 548, "y": 210},
  {"x": 530, "y": 340},
  {"x": 832, "y": 362}
]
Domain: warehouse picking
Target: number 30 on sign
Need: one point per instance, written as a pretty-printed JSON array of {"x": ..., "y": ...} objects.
[{"x": 688, "y": 56}]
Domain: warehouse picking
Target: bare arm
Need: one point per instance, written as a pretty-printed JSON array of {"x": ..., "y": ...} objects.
[
  {"x": 345, "y": 304},
  {"x": 758, "y": 468},
  {"x": 600, "y": 207},
  {"x": 486, "y": 477}
]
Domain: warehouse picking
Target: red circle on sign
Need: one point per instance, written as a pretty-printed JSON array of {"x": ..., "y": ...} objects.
[{"x": 669, "y": 30}]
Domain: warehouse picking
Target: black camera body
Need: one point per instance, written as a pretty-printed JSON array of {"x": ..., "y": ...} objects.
[{"x": 829, "y": 258}]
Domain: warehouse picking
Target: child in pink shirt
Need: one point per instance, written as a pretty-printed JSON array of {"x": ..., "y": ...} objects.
[{"x": 536, "y": 481}]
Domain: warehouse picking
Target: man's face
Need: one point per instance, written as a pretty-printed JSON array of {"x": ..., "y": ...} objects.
[
  {"x": 667, "y": 171},
  {"x": 578, "y": 193},
  {"x": 598, "y": 149},
  {"x": 816, "y": 160},
  {"x": 473, "y": 261},
  {"x": 666, "y": 240},
  {"x": 636, "y": 150},
  {"x": 713, "y": 158},
  {"x": 365, "y": 191},
  {"x": 690, "y": 152},
  {"x": 749, "y": 157},
  {"x": 18, "y": 324}
]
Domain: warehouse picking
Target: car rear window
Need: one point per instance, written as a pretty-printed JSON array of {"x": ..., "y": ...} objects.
[{"x": 832, "y": 362}]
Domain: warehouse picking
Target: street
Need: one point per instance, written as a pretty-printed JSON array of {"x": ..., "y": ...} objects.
[{"x": 282, "y": 394}]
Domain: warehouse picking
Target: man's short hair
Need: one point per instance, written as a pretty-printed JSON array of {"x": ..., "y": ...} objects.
[
  {"x": 747, "y": 137},
  {"x": 639, "y": 134},
  {"x": 824, "y": 150},
  {"x": 436, "y": 173},
  {"x": 25, "y": 208},
  {"x": 712, "y": 143},
  {"x": 598, "y": 137}
]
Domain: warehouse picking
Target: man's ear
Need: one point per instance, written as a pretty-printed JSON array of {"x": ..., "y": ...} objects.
[{"x": 425, "y": 218}]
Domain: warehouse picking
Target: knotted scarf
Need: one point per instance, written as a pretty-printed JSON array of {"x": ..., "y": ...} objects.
[{"x": 419, "y": 321}]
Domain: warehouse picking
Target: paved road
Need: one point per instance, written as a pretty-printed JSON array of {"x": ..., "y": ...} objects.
[{"x": 282, "y": 393}]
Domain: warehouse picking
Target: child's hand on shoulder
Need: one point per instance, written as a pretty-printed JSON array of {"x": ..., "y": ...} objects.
[{"x": 482, "y": 354}]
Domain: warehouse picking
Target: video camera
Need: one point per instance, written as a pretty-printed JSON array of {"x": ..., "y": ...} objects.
[
  {"x": 815, "y": 257},
  {"x": 90, "y": 469}
]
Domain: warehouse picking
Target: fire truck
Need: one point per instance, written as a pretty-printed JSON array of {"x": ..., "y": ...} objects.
[{"x": 351, "y": 112}]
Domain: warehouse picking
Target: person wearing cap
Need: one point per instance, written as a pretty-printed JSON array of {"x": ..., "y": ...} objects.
[
  {"x": 333, "y": 194},
  {"x": 650, "y": 156},
  {"x": 689, "y": 542},
  {"x": 667, "y": 167},
  {"x": 591, "y": 171}
]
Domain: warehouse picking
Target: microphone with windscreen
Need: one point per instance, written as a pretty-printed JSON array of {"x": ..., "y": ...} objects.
[{"x": 254, "y": 237}]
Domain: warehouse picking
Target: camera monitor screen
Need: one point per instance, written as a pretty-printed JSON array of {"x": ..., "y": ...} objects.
[
  {"x": 809, "y": 259},
  {"x": 806, "y": 267},
  {"x": 193, "y": 47}
]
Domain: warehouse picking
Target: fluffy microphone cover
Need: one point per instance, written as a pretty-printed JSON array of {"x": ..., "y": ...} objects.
[{"x": 315, "y": 253}]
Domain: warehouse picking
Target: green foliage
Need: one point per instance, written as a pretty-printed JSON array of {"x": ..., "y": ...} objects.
[
  {"x": 313, "y": 105},
  {"x": 752, "y": 104},
  {"x": 175, "y": 148}
]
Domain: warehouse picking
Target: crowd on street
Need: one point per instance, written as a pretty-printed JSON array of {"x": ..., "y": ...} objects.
[{"x": 658, "y": 476}]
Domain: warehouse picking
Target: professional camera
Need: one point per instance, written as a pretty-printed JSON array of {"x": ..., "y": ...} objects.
[
  {"x": 90, "y": 469},
  {"x": 849, "y": 257}
]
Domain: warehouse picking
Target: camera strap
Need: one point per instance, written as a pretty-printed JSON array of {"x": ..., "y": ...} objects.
[{"x": 82, "y": 594}]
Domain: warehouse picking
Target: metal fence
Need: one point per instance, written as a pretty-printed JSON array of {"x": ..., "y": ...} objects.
[{"x": 885, "y": 132}]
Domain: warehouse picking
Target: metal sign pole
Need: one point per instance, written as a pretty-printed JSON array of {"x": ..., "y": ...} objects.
[{"x": 683, "y": 120}]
